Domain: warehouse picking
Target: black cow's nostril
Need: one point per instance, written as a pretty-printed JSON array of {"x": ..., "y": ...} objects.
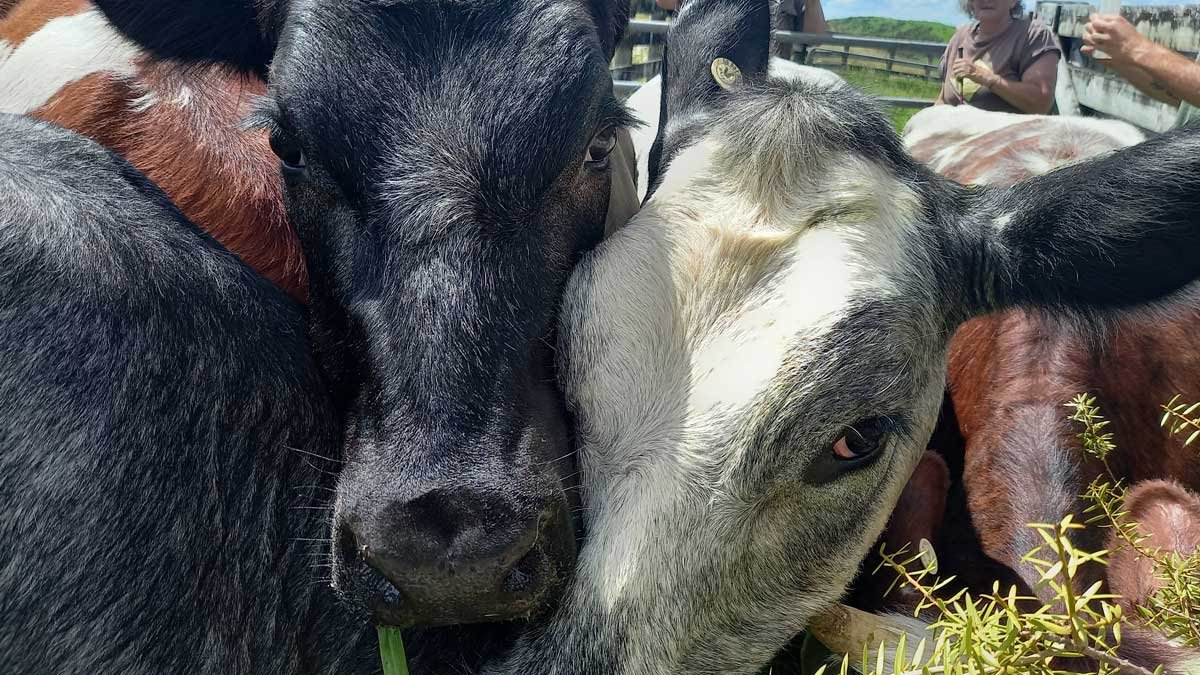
[
  {"x": 524, "y": 574},
  {"x": 454, "y": 557}
]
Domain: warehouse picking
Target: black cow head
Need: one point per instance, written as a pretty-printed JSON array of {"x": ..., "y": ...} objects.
[{"x": 445, "y": 163}]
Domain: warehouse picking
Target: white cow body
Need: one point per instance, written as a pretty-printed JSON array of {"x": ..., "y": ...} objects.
[{"x": 971, "y": 145}]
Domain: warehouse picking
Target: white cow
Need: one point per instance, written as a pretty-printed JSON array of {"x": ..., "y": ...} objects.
[{"x": 971, "y": 145}]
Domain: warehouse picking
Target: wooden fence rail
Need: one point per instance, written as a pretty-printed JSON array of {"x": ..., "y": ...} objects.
[
  {"x": 624, "y": 88},
  {"x": 1086, "y": 87},
  {"x": 818, "y": 44}
]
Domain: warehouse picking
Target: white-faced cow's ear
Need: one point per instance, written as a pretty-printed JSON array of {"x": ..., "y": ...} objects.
[
  {"x": 240, "y": 33},
  {"x": 1111, "y": 232},
  {"x": 712, "y": 47},
  {"x": 612, "y": 19}
]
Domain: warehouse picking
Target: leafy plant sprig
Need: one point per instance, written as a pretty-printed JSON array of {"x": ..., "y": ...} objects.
[{"x": 1002, "y": 633}]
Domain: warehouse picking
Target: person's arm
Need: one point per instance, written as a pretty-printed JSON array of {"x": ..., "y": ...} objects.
[
  {"x": 1034, "y": 93},
  {"x": 1156, "y": 70},
  {"x": 1144, "y": 81}
]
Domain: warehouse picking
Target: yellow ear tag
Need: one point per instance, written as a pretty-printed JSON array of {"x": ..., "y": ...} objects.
[
  {"x": 928, "y": 556},
  {"x": 726, "y": 73}
]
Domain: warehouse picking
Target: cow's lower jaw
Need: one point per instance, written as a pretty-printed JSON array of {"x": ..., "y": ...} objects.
[{"x": 661, "y": 636}]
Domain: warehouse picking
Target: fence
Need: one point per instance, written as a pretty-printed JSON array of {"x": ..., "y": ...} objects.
[
  {"x": 1086, "y": 87},
  {"x": 626, "y": 73},
  {"x": 928, "y": 70}
]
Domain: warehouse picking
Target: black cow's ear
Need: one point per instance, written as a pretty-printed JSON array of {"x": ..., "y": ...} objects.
[
  {"x": 1111, "y": 232},
  {"x": 612, "y": 18},
  {"x": 240, "y": 33}
]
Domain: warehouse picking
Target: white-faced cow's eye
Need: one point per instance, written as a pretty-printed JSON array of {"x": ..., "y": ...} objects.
[
  {"x": 862, "y": 440},
  {"x": 285, "y": 146},
  {"x": 600, "y": 148}
]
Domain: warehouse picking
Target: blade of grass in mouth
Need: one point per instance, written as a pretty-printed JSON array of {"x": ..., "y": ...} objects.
[{"x": 391, "y": 650}]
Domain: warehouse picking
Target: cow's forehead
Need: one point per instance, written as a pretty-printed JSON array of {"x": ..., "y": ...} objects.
[
  {"x": 467, "y": 94},
  {"x": 370, "y": 36}
]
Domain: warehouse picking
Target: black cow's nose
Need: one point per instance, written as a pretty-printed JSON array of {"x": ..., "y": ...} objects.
[{"x": 455, "y": 555}]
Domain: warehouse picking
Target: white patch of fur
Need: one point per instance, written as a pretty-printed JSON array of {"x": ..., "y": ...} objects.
[
  {"x": 964, "y": 125},
  {"x": 183, "y": 97},
  {"x": 1002, "y": 221},
  {"x": 950, "y": 155},
  {"x": 644, "y": 104},
  {"x": 65, "y": 50},
  {"x": 945, "y": 119},
  {"x": 784, "y": 69},
  {"x": 144, "y": 102},
  {"x": 685, "y": 167},
  {"x": 962, "y": 119}
]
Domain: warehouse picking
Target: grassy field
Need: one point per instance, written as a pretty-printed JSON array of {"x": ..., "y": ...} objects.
[
  {"x": 882, "y": 84},
  {"x": 878, "y": 26}
]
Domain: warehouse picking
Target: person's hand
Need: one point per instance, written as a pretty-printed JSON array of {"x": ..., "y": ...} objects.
[
  {"x": 1115, "y": 36},
  {"x": 669, "y": 5},
  {"x": 973, "y": 70}
]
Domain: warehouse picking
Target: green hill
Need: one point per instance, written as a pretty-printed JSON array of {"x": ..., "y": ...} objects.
[{"x": 878, "y": 26}]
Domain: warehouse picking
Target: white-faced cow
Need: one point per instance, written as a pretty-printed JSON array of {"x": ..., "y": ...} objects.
[
  {"x": 757, "y": 360},
  {"x": 445, "y": 164}
]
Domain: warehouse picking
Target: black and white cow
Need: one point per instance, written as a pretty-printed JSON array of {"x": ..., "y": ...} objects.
[
  {"x": 445, "y": 165},
  {"x": 180, "y": 485},
  {"x": 756, "y": 362}
]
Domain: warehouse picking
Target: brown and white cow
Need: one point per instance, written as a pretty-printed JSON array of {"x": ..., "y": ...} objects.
[
  {"x": 1011, "y": 373},
  {"x": 63, "y": 62}
]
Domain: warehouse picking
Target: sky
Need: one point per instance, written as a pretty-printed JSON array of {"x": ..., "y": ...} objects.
[{"x": 945, "y": 11}]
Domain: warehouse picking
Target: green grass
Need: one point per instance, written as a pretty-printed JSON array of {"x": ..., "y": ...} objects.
[
  {"x": 882, "y": 84},
  {"x": 878, "y": 26},
  {"x": 391, "y": 651},
  {"x": 895, "y": 29}
]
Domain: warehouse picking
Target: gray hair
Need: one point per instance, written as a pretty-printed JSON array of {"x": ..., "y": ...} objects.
[{"x": 968, "y": 8}]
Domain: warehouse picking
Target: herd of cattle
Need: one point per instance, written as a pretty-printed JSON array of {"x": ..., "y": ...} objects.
[{"x": 366, "y": 358}]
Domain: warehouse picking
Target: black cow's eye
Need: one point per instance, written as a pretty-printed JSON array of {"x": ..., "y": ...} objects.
[
  {"x": 862, "y": 440},
  {"x": 600, "y": 148},
  {"x": 287, "y": 148}
]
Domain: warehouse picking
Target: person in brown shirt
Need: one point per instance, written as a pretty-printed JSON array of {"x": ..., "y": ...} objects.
[{"x": 1000, "y": 61}]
